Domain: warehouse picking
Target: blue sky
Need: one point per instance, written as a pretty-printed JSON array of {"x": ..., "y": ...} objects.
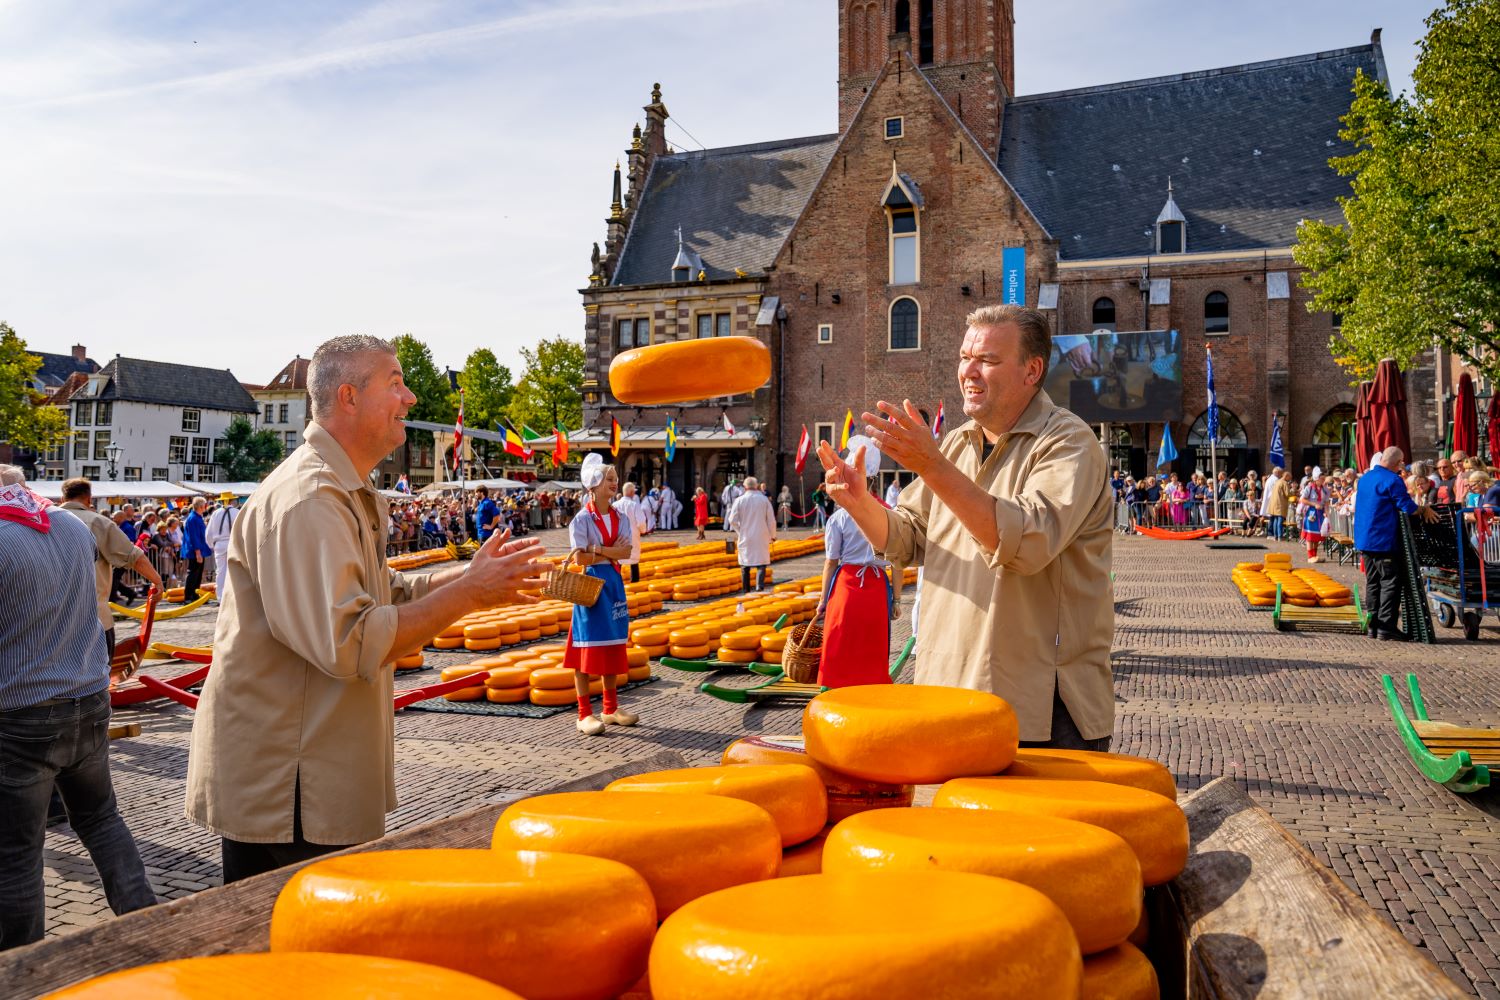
[{"x": 230, "y": 184}]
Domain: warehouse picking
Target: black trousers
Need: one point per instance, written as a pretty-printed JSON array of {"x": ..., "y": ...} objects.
[
  {"x": 194, "y": 577},
  {"x": 746, "y": 574},
  {"x": 242, "y": 860},
  {"x": 635, "y": 572},
  {"x": 1383, "y": 590},
  {"x": 1065, "y": 734}
]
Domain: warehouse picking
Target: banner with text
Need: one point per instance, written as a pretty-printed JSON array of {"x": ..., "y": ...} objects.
[{"x": 1013, "y": 276}]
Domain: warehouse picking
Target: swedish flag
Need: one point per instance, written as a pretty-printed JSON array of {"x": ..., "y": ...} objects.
[{"x": 671, "y": 438}]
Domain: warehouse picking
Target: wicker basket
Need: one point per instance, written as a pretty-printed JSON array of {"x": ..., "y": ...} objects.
[
  {"x": 803, "y": 652},
  {"x": 575, "y": 588}
]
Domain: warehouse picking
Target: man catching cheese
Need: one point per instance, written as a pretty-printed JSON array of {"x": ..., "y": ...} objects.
[
  {"x": 293, "y": 747},
  {"x": 1011, "y": 519}
]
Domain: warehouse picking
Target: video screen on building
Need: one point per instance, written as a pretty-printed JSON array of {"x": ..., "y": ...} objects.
[{"x": 1108, "y": 377}]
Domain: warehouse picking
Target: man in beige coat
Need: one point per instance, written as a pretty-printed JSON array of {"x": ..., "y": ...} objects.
[
  {"x": 1011, "y": 520},
  {"x": 293, "y": 746},
  {"x": 112, "y": 551}
]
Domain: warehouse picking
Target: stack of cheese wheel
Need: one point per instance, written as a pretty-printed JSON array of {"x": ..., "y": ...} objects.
[
  {"x": 1331, "y": 593},
  {"x": 792, "y": 794},
  {"x": 684, "y": 845},
  {"x": 847, "y": 794},
  {"x": 773, "y": 644},
  {"x": 743, "y": 644},
  {"x": 411, "y": 661},
  {"x": 1091, "y": 765},
  {"x": 1121, "y": 973},
  {"x": 505, "y": 916},
  {"x": 326, "y": 976},
  {"x": 1293, "y": 590},
  {"x": 413, "y": 560},
  {"x": 1153, "y": 825},
  {"x": 910, "y": 734},
  {"x": 1252, "y": 581},
  {"x": 887, "y": 934}
]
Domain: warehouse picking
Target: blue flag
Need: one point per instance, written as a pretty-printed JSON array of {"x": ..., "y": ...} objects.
[
  {"x": 1276, "y": 457},
  {"x": 671, "y": 438},
  {"x": 1167, "y": 454},
  {"x": 1213, "y": 401}
]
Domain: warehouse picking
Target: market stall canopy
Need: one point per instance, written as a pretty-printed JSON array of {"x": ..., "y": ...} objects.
[
  {"x": 238, "y": 489},
  {"x": 155, "y": 490},
  {"x": 558, "y": 486}
]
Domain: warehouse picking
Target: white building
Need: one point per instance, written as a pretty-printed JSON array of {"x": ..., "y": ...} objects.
[
  {"x": 151, "y": 420},
  {"x": 283, "y": 403}
]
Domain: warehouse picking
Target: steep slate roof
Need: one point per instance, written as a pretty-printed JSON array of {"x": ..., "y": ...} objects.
[
  {"x": 55, "y": 368},
  {"x": 291, "y": 378},
  {"x": 1246, "y": 147},
  {"x": 166, "y": 384},
  {"x": 735, "y": 205}
]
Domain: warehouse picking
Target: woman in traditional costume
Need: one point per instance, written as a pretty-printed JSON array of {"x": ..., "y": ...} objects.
[
  {"x": 857, "y": 595},
  {"x": 599, "y": 634},
  {"x": 1314, "y": 503}
]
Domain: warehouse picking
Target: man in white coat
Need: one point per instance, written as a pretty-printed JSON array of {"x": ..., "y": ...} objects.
[
  {"x": 731, "y": 493},
  {"x": 754, "y": 524},
  {"x": 220, "y": 524},
  {"x": 633, "y": 514},
  {"x": 666, "y": 516}
]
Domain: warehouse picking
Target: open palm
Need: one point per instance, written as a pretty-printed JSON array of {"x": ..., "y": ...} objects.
[{"x": 842, "y": 479}]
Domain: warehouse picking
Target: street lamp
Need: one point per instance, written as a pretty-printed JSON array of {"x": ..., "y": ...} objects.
[
  {"x": 113, "y": 451},
  {"x": 40, "y": 465}
]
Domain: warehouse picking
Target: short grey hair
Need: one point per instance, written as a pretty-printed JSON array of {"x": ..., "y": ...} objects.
[
  {"x": 1392, "y": 456},
  {"x": 751, "y": 483},
  {"x": 12, "y": 475},
  {"x": 336, "y": 362}
]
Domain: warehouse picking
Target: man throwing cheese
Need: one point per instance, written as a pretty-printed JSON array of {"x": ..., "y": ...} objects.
[{"x": 1011, "y": 520}]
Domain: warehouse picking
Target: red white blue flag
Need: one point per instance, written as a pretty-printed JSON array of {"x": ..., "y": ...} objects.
[{"x": 937, "y": 424}]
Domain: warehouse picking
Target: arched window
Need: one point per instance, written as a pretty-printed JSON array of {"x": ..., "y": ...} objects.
[
  {"x": 924, "y": 33},
  {"x": 1104, "y": 314},
  {"x": 906, "y": 325},
  {"x": 1330, "y": 429},
  {"x": 1216, "y": 313},
  {"x": 1333, "y": 439},
  {"x": 1231, "y": 431},
  {"x": 903, "y": 16}
]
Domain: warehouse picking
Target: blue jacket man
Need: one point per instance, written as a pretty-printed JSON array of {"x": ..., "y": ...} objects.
[
  {"x": 1379, "y": 500},
  {"x": 195, "y": 549}
]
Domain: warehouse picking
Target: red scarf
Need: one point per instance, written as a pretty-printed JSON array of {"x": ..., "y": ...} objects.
[
  {"x": 610, "y": 533},
  {"x": 22, "y": 506}
]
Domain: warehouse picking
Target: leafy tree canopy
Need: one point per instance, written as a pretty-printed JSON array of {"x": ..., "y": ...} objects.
[
  {"x": 25, "y": 419},
  {"x": 549, "y": 392},
  {"x": 1417, "y": 260},
  {"x": 436, "y": 401},
  {"x": 246, "y": 454},
  {"x": 487, "y": 390}
]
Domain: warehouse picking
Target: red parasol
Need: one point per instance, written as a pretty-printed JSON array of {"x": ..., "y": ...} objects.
[
  {"x": 1364, "y": 431},
  {"x": 1465, "y": 417},
  {"x": 1494, "y": 425},
  {"x": 1388, "y": 418}
]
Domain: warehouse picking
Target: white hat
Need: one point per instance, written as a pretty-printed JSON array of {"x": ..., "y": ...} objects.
[
  {"x": 592, "y": 473},
  {"x": 872, "y": 454}
]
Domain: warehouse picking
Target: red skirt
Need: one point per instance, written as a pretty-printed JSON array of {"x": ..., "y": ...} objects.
[{"x": 857, "y": 629}]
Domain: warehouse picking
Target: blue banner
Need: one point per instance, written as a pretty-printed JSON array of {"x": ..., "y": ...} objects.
[
  {"x": 1013, "y": 276},
  {"x": 1213, "y": 401}
]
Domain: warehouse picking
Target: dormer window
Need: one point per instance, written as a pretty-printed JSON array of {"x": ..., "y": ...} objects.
[
  {"x": 1171, "y": 226},
  {"x": 903, "y": 204}
]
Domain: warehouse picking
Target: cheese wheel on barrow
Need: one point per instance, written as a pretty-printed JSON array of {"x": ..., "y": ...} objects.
[
  {"x": 1121, "y": 973},
  {"x": 1153, "y": 826},
  {"x": 262, "y": 974},
  {"x": 505, "y": 916},
  {"x": 847, "y": 794},
  {"x": 881, "y": 934},
  {"x": 792, "y": 794},
  {"x": 1089, "y": 765},
  {"x": 683, "y": 845},
  {"x": 1091, "y": 874},
  {"x": 686, "y": 370},
  {"x": 910, "y": 734}
]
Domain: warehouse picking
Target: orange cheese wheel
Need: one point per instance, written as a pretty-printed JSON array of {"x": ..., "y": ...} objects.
[
  {"x": 331, "y": 977},
  {"x": 466, "y": 694},
  {"x": 1141, "y": 936},
  {"x": 410, "y": 661},
  {"x": 483, "y": 630},
  {"x": 1152, "y": 825},
  {"x": 1091, "y": 874},
  {"x": 727, "y": 654},
  {"x": 547, "y": 648},
  {"x": 803, "y": 859},
  {"x": 688, "y": 637},
  {"x": 656, "y": 652},
  {"x": 1115, "y": 768},
  {"x": 740, "y": 639},
  {"x": 552, "y": 679},
  {"x": 508, "y": 695},
  {"x": 773, "y": 641},
  {"x": 889, "y": 934},
  {"x": 687, "y": 370},
  {"x": 792, "y": 794},
  {"x": 910, "y": 733},
  {"x": 534, "y": 663},
  {"x": 481, "y": 645},
  {"x": 462, "y": 670},
  {"x": 683, "y": 845},
  {"x": 770, "y": 655},
  {"x": 552, "y": 697},
  {"x": 1121, "y": 973},
  {"x": 515, "y": 675},
  {"x": 448, "y": 642},
  {"x": 635, "y": 656},
  {"x": 689, "y": 652},
  {"x": 529, "y": 634},
  {"x": 847, "y": 795},
  {"x": 499, "y": 915},
  {"x": 650, "y": 636},
  {"x": 454, "y": 631}
]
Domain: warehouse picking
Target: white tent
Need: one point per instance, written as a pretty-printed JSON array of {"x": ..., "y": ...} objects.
[
  {"x": 238, "y": 489},
  {"x": 52, "y": 490},
  {"x": 558, "y": 486}
]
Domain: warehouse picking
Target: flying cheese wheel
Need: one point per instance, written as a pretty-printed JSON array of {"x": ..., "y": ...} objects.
[
  {"x": 1122, "y": 973},
  {"x": 792, "y": 794},
  {"x": 507, "y": 695},
  {"x": 910, "y": 733},
  {"x": 1153, "y": 826},
  {"x": 504, "y": 916},
  {"x": 688, "y": 370},
  {"x": 883, "y": 934},
  {"x": 847, "y": 794},
  {"x": 328, "y": 977},
  {"x": 684, "y": 845},
  {"x": 552, "y": 679},
  {"x": 1091, "y": 874},
  {"x": 1115, "y": 768}
]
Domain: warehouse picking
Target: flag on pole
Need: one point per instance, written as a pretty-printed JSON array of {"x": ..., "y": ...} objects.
[
  {"x": 614, "y": 437},
  {"x": 671, "y": 438},
  {"x": 528, "y": 435},
  {"x": 1213, "y": 400},
  {"x": 937, "y": 425},
  {"x": 847, "y": 431},
  {"x": 513, "y": 443},
  {"x": 1277, "y": 458},
  {"x": 728, "y": 427},
  {"x": 1167, "y": 453},
  {"x": 560, "y": 446},
  {"x": 804, "y": 445},
  {"x": 458, "y": 433}
]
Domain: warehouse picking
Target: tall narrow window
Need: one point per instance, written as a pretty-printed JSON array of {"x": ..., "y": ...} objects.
[
  {"x": 625, "y": 334},
  {"x": 906, "y": 325},
  {"x": 924, "y": 33},
  {"x": 1171, "y": 237},
  {"x": 904, "y": 248},
  {"x": 83, "y": 413},
  {"x": 903, "y": 16},
  {"x": 1216, "y": 313},
  {"x": 1104, "y": 314}
]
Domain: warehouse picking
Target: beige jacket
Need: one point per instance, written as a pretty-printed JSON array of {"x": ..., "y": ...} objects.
[
  {"x": 1038, "y": 613},
  {"x": 300, "y": 693},
  {"x": 113, "y": 549},
  {"x": 1276, "y": 497}
]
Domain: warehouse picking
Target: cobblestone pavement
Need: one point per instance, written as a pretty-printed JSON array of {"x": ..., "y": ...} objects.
[{"x": 1202, "y": 684}]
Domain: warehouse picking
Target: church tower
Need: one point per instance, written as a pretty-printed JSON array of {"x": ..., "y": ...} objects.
[{"x": 966, "y": 47}]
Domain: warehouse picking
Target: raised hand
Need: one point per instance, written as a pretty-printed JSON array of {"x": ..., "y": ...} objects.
[
  {"x": 901, "y": 433},
  {"x": 504, "y": 567},
  {"x": 843, "y": 481}
]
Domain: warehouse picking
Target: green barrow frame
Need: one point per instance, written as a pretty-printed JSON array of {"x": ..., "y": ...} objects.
[
  {"x": 713, "y": 665},
  {"x": 1290, "y": 620},
  {"x": 1456, "y": 770}
]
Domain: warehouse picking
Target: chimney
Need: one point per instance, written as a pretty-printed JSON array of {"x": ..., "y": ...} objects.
[{"x": 80, "y": 353}]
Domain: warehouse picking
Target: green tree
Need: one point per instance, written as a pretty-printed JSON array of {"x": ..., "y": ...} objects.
[
  {"x": 435, "y": 399},
  {"x": 1417, "y": 260},
  {"x": 25, "y": 419},
  {"x": 246, "y": 454},
  {"x": 549, "y": 391},
  {"x": 487, "y": 393}
]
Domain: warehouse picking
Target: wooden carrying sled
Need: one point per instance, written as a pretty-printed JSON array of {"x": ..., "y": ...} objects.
[{"x": 1456, "y": 757}]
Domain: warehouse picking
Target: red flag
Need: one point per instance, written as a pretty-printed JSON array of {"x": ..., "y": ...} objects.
[
  {"x": 804, "y": 445},
  {"x": 560, "y": 446},
  {"x": 458, "y": 433},
  {"x": 728, "y": 427},
  {"x": 937, "y": 425},
  {"x": 614, "y": 437}
]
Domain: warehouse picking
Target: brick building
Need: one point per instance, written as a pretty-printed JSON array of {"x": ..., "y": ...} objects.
[{"x": 1154, "y": 216}]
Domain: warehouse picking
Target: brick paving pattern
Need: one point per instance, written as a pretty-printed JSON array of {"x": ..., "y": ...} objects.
[{"x": 1298, "y": 719}]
